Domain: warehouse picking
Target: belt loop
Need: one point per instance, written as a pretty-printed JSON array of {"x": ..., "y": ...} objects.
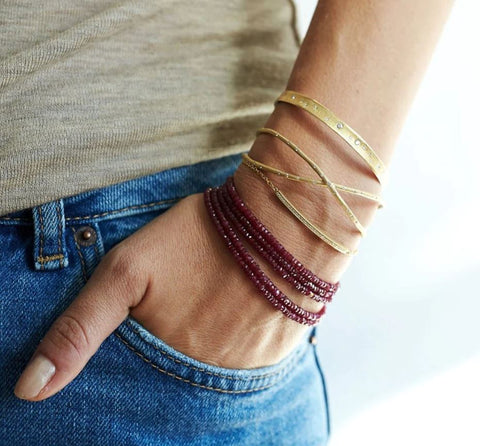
[{"x": 49, "y": 248}]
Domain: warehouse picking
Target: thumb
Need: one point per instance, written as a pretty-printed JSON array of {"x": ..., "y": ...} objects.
[{"x": 103, "y": 303}]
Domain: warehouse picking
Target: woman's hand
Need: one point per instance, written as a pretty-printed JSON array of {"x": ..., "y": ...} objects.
[{"x": 177, "y": 278}]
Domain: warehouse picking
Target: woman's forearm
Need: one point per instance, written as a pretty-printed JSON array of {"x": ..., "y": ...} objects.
[{"x": 364, "y": 60}]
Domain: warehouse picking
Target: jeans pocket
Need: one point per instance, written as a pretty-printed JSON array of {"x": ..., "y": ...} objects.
[{"x": 164, "y": 358}]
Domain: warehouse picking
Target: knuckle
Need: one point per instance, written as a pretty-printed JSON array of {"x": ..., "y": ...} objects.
[
  {"x": 69, "y": 333},
  {"x": 125, "y": 272},
  {"x": 120, "y": 262}
]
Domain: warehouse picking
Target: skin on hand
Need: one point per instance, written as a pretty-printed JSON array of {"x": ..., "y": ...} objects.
[{"x": 178, "y": 279}]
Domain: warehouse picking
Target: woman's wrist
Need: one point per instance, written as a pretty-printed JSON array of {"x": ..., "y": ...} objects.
[{"x": 314, "y": 202}]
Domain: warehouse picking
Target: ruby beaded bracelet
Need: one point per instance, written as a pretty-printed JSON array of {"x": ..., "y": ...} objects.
[
  {"x": 260, "y": 280},
  {"x": 230, "y": 214},
  {"x": 273, "y": 251}
]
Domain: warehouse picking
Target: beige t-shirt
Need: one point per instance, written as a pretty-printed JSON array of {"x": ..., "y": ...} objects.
[{"x": 97, "y": 92}]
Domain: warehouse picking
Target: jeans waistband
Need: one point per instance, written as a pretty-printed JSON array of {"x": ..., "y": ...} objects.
[
  {"x": 138, "y": 194},
  {"x": 142, "y": 194}
]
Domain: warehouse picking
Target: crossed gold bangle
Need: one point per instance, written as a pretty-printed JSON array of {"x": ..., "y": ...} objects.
[
  {"x": 293, "y": 177},
  {"x": 350, "y": 136},
  {"x": 318, "y": 232}
]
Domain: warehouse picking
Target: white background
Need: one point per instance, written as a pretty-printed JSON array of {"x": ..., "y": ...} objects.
[{"x": 400, "y": 345}]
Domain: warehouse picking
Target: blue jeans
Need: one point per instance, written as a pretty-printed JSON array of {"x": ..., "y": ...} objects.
[{"x": 136, "y": 390}]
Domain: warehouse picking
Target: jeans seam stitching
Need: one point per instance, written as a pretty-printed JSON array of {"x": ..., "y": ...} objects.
[
  {"x": 199, "y": 369},
  {"x": 14, "y": 218},
  {"x": 60, "y": 232},
  {"x": 82, "y": 260},
  {"x": 325, "y": 392},
  {"x": 103, "y": 214},
  {"x": 116, "y": 211},
  {"x": 180, "y": 378},
  {"x": 42, "y": 266},
  {"x": 96, "y": 251},
  {"x": 46, "y": 259}
]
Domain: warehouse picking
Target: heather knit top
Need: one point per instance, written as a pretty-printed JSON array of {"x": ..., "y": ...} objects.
[{"x": 97, "y": 92}]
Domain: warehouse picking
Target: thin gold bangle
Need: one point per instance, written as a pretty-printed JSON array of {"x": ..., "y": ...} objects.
[
  {"x": 331, "y": 186},
  {"x": 324, "y": 237},
  {"x": 294, "y": 177},
  {"x": 350, "y": 136}
]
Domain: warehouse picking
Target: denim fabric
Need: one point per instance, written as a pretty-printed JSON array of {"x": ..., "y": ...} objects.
[{"x": 136, "y": 390}]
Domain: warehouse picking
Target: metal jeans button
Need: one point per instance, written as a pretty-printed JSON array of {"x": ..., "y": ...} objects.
[{"x": 85, "y": 236}]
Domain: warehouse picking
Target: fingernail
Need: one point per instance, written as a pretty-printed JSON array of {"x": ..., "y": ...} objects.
[{"x": 34, "y": 378}]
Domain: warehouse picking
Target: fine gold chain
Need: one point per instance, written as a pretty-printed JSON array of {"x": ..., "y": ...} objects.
[
  {"x": 293, "y": 177},
  {"x": 331, "y": 186},
  {"x": 350, "y": 136},
  {"x": 318, "y": 232}
]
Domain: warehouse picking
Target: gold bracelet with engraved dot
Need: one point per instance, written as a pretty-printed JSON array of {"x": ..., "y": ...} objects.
[{"x": 350, "y": 136}]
